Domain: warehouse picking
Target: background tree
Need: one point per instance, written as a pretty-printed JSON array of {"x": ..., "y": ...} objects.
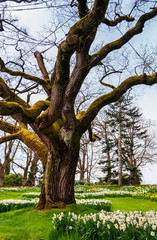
[
  {"x": 9, "y": 155},
  {"x": 33, "y": 171},
  {"x": 50, "y": 127},
  {"x": 108, "y": 160},
  {"x": 137, "y": 145},
  {"x": 89, "y": 157},
  {"x": 117, "y": 114}
]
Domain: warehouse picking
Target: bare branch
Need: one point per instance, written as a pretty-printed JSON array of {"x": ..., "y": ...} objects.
[
  {"x": 3, "y": 68},
  {"x": 138, "y": 28},
  {"x": 8, "y": 95},
  {"x": 107, "y": 84},
  {"x": 41, "y": 64},
  {"x": 19, "y": 1},
  {"x": 117, "y": 20}
]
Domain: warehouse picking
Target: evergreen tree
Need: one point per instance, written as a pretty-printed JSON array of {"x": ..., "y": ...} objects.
[
  {"x": 134, "y": 140},
  {"x": 108, "y": 150},
  {"x": 117, "y": 119},
  {"x": 126, "y": 137}
]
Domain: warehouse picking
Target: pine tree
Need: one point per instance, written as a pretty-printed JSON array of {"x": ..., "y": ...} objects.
[
  {"x": 134, "y": 140},
  {"x": 108, "y": 163},
  {"x": 125, "y": 137},
  {"x": 117, "y": 119}
]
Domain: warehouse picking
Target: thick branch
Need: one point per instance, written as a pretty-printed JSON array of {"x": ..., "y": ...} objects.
[
  {"x": 8, "y": 127},
  {"x": 138, "y": 28},
  {"x": 114, "y": 95},
  {"x": 43, "y": 70},
  {"x": 3, "y": 68},
  {"x": 8, "y": 137},
  {"x": 41, "y": 64},
  {"x": 29, "y": 138},
  {"x": 82, "y": 8},
  {"x": 8, "y": 95},
  {"x": 74, "y": 42},
  {"x": 26, "y": 115},
  {"x": 117, "y": 20}
]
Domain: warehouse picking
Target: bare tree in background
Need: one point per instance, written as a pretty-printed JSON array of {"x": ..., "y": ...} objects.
[
  {"x": 9, "y": 155},
  {"x": 88, "y": 158}
]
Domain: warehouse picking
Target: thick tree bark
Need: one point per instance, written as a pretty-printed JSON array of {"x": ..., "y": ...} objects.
[{"x": 58, "y": 181}]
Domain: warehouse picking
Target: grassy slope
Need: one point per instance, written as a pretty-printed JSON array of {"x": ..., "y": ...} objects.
[{"x": 25, "y": 224}]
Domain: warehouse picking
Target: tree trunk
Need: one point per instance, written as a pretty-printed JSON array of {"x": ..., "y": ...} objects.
[
  {"x": 134, "y": 178},
  {"x": 81, "y": 174},
  {"x": 1, "y": 174},
  {"x": 120, "y": 157},
  {"x": 25, "y": 177},
  {"x": 33, "y": 171},
  {"x": 58, "y": 181}
]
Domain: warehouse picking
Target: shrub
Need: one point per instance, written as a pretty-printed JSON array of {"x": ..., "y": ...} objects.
[
  {"x": 82, "y": 182},
  {"x": 12, "y": 180}
]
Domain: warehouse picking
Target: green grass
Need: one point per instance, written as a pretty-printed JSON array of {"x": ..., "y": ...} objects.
[
  {"x": 30, "y": 224},
  {"x": 132, "y": 204},
  {"x": 25, "y": 224},
  {"x": 16, "y": 194}
]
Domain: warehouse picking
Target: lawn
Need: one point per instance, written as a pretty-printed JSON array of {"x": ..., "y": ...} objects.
[{"x": 26, "y": 223}]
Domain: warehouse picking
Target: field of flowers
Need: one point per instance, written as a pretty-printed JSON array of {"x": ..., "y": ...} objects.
[
  {"x": 105, "y": 225},
  {"x": 92, "y": 217},
  {"x": 145, "y": 192}
]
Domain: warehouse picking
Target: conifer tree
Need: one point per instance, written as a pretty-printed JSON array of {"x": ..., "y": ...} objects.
[{"x": 128, "y": 138}]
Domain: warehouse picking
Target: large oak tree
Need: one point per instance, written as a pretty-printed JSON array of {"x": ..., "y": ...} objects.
[{"x": 50, "y": 127}]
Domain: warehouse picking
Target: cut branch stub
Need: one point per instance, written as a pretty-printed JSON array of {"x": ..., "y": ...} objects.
[{"x": 41, "y": 64}]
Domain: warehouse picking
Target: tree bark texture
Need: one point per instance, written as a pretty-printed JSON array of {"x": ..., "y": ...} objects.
[
  {"x": 1, "y": 174},
  {"x": 58, "y": 181}
]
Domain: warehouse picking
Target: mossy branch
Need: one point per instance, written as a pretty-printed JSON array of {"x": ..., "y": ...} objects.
[
  {"x": 114, "y": 22},
  {"x": 27, "y": 137},
  {"x": 26, "y": 115},
  {"x": 138, "y": 28},
  {"x": 8, "y": 127},
  {"x": 8, "y": 95},
  {"x": 9, "y": 137},
  {"x": 114, "y": 95},
  {"x": 3, "y": 68}
]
